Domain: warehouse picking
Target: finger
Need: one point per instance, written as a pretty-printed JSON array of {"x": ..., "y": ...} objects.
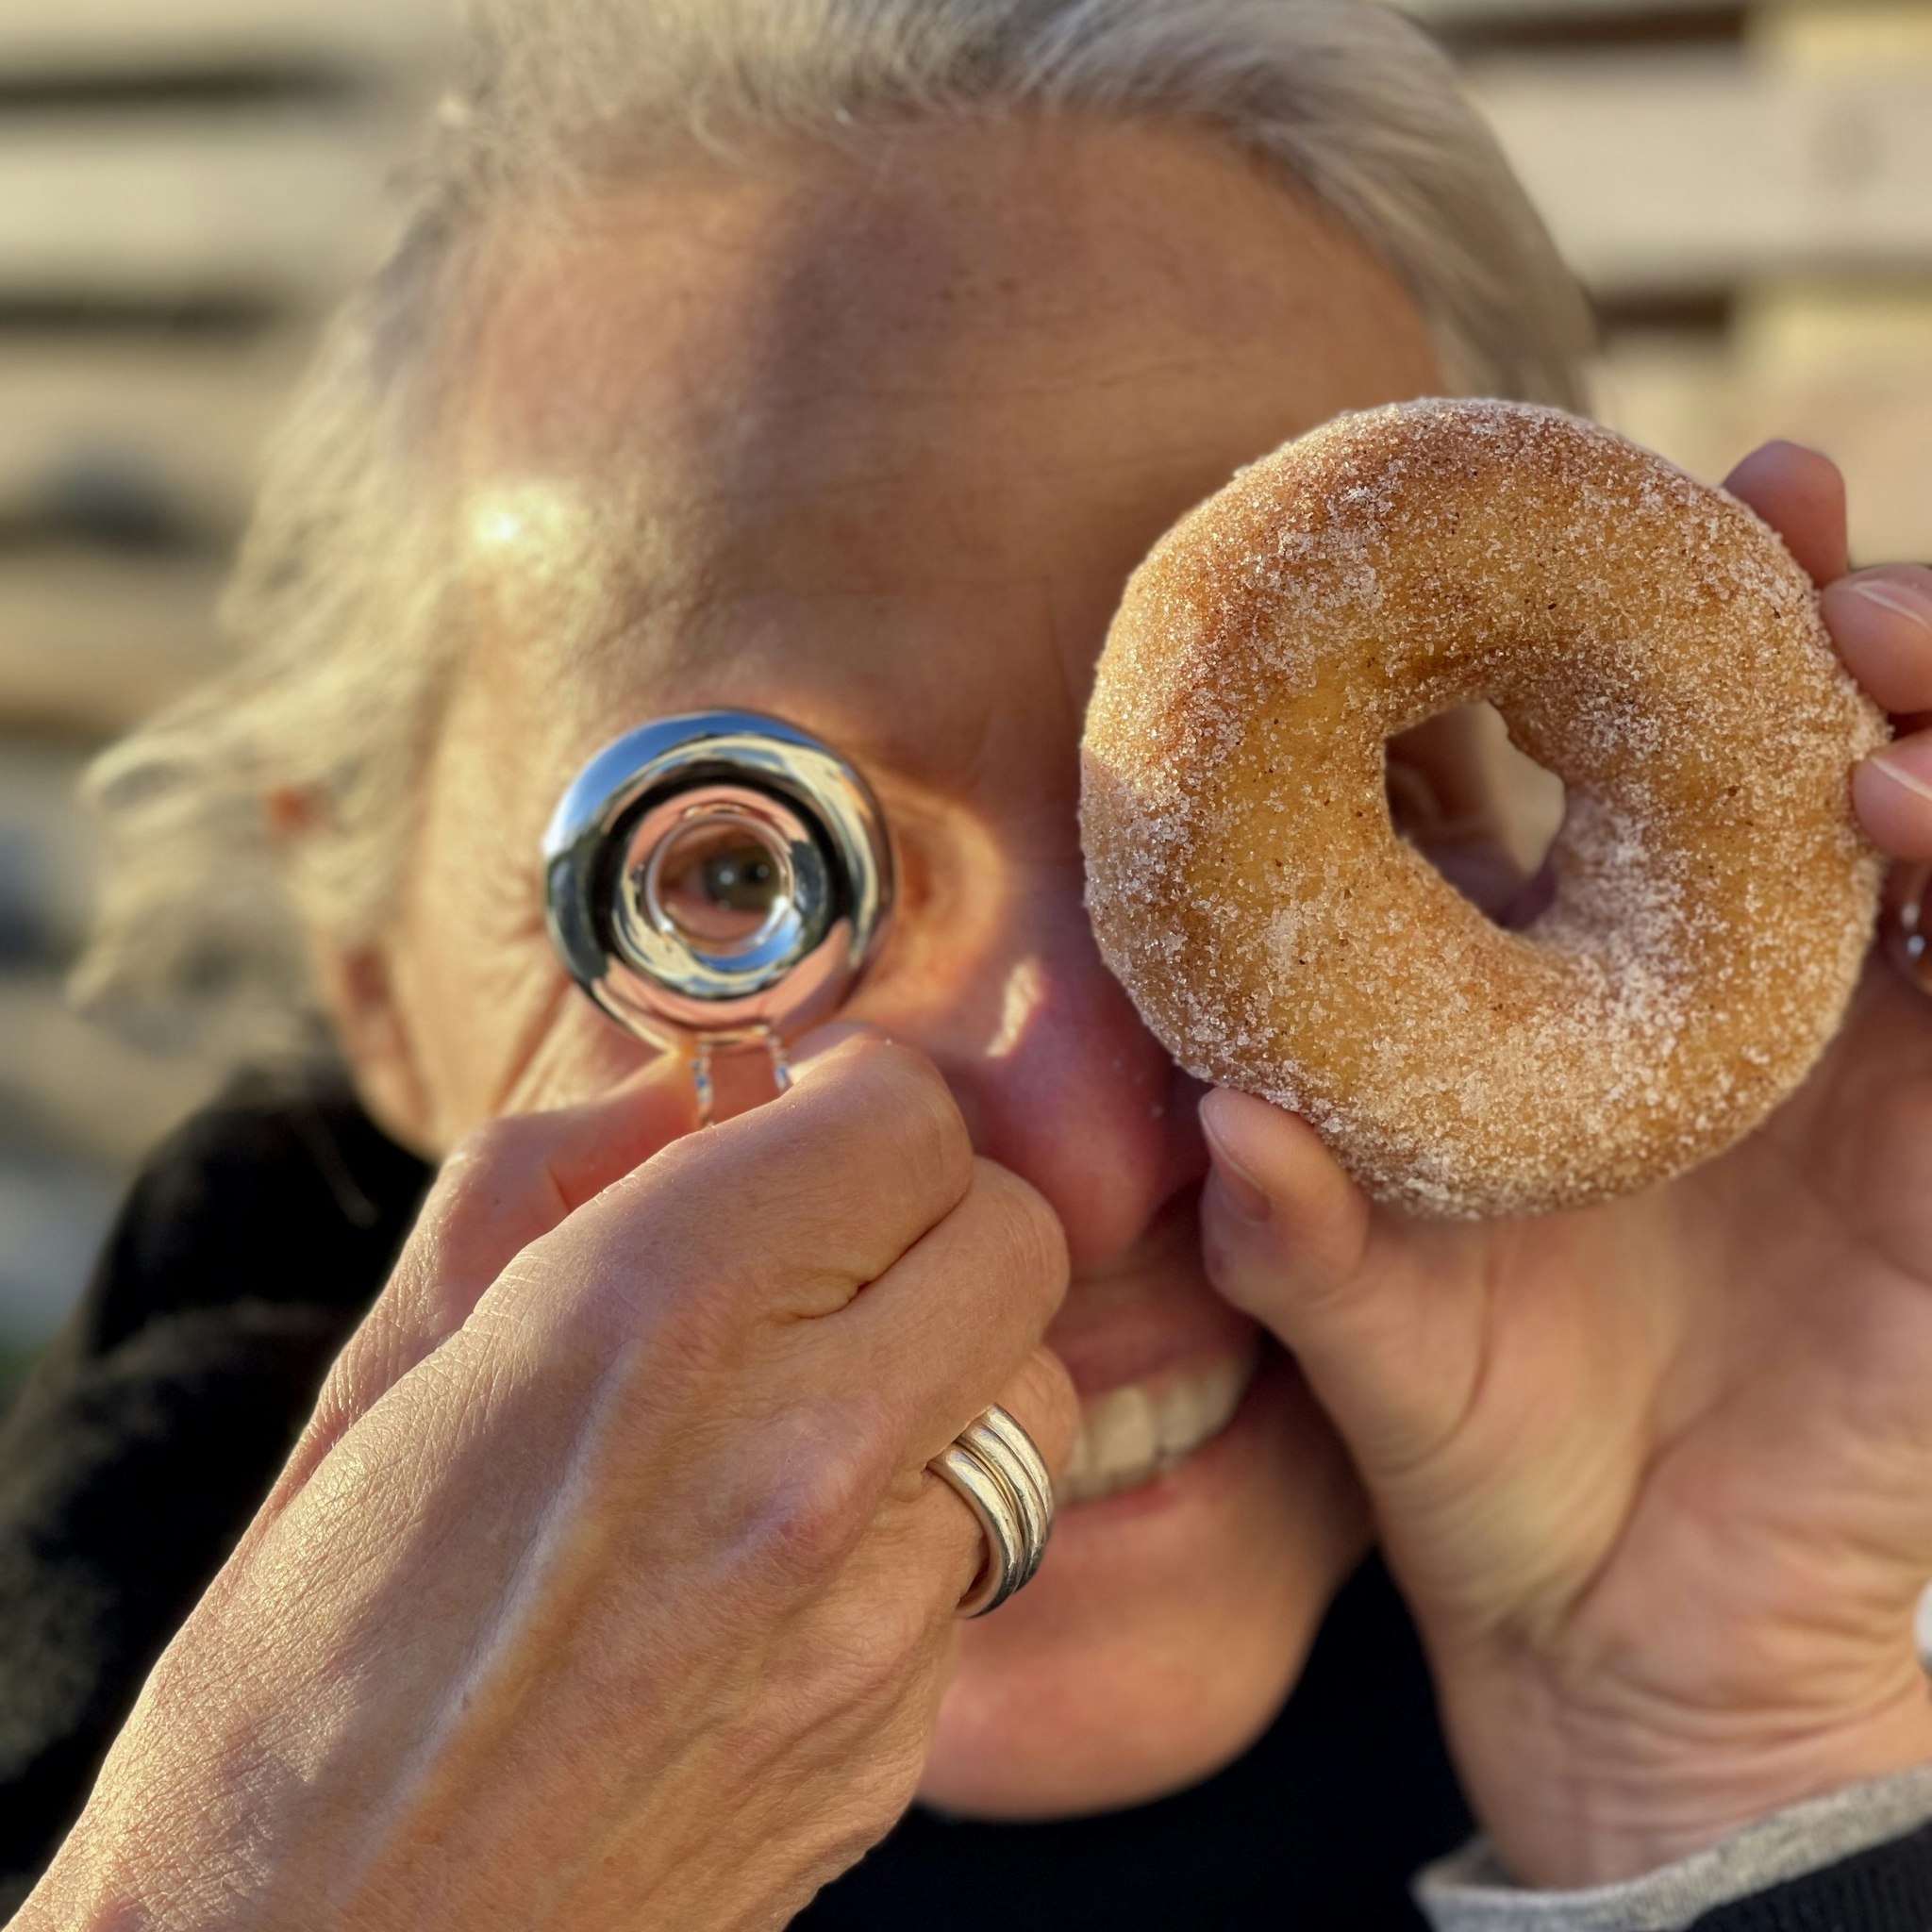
[
  {"x": 1881, "y": 622},
  {"x": 1440, "y": 781},
  {"x": 1801, "y": 494},
  {"x": 783, "y": 1213},
  {"x": 949, "y": 1322},
  {"x": 1287, "y": 1237},
  {"x": 1893, "y": 793},
  {"x": 506, "y": 1186},
  {"x": 515, "y": 1179},
  {"x": 902, "y": 1583}
]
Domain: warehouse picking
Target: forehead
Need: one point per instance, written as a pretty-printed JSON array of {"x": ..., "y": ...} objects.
[{"x": 863, "y": 434}]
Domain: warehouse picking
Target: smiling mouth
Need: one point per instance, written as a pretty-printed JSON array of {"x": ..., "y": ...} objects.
[{"x": 1132, "y": 1434}]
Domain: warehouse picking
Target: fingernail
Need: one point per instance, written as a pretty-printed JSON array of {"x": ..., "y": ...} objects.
[
  {"x": 1897, "y": 763},
  {"x": 1895, "y": 597},
  {"x": 1243, "y": 1192}
]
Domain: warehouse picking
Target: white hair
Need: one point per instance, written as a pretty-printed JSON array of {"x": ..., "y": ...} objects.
[{"x": 344, "y": 647}]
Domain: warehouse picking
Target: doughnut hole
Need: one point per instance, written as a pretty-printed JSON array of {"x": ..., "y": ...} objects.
[{"x": 1480, "y": 810}]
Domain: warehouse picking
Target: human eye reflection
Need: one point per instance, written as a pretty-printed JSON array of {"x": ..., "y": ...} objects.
[{"x": 718, "y": 878}]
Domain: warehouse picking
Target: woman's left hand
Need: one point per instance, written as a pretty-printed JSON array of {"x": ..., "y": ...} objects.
[{"x": 1655, "y": 1478}]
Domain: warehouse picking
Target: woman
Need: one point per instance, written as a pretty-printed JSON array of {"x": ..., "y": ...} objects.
[{"x": 839, "y": 361}]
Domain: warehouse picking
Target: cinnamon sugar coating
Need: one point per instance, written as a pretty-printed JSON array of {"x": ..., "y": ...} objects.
[{"x": 1647, "y": 639}]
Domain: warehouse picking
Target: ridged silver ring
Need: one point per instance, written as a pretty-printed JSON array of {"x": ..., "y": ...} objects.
[{"x": 994, "y": 1469}]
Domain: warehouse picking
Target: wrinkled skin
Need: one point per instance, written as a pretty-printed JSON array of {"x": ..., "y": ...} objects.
[
  {"x": 1653, "y": 1475},
  {"x": 875, "y": 451},
  {"x": 598, "y": 1594},
  {"x": 873, "y": 448}
]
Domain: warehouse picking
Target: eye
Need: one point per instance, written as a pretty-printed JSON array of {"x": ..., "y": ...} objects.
[
  {"x": 719, "y": 880},
  {"x": 717, "y": 876}
]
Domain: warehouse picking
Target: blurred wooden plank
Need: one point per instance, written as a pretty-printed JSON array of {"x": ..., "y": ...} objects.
[
  {"x": 1847, "y": 377},
  {"x": 1656, "y": 173},
  {"x": 1702, "y": 172},
  {"x": 1465, "y": 13},
  {"x": 90, "y": 643},
  {"x": 156, "y": 206},
  {"x": 99, "y": 1095},
  {"x": 184, "y": 421},
  {"x": 1795, "y": 327},
  {"x": 48, "y": 855},
  {"x": 70, "y": 37},
  {"x": 1847, "y": 36}
]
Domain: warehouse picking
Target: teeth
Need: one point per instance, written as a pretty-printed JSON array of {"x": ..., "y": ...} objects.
[{"x": 1129, "y": 1436}]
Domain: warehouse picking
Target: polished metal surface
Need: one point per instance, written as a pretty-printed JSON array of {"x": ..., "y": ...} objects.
[
  {"x": 716, "y": 878},
  {"x": 995, "y": 1470}
]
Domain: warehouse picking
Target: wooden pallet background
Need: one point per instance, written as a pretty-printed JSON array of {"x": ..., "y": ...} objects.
[{"x": 184, "y": 184}]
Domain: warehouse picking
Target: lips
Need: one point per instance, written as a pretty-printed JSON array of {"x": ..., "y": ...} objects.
[{"x": 1160, "y": 1360}]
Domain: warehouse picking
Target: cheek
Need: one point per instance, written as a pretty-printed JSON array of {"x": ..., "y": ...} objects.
[
  {"x": 956, "y": 892},
  {"x": 479, "y": 988},
  {"x": 989, "y": 918},
  {"x": 577, "y": 1055},
  {"x": 995, "y": 975}
]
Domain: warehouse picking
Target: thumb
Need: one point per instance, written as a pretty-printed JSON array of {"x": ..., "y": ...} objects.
[{"x": 1384, "y": 1339}]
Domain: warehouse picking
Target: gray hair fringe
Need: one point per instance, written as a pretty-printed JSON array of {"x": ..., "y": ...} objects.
[{"x": 343, "y": 651}]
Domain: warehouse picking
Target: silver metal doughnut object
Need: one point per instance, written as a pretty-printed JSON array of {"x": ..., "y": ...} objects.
[{"x": 718, "y": 878}]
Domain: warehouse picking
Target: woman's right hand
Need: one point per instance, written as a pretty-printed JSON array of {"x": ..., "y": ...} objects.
[{"x": 606, "y": 1589}]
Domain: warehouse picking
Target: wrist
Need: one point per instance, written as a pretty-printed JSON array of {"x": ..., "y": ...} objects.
[{"x": 1578, "y": 1798}]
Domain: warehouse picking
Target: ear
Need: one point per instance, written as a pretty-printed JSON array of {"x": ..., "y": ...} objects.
[
  {"x": 358, "y": 995},
  {"x": 358, "y": 991}
]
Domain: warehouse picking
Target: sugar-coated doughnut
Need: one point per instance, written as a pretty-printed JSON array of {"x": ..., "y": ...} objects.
[{"x": 1647, "y": 639}]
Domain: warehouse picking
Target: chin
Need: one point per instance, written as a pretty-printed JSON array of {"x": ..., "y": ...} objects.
[{"x": 1166, "y": 1627}]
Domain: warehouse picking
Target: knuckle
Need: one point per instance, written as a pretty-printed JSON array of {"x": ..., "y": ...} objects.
[{"x": 833, "y": 1466}]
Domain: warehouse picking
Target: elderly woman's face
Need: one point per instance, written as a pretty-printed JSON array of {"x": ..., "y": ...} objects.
[{"x": 872, "y": 444}]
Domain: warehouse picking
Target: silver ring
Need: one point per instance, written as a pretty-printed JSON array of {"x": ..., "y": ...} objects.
[
  {"x": 1923, "y": 1630},
  {"x": 993, "y": 1468}
]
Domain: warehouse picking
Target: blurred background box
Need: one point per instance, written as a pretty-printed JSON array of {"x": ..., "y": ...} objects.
[{"x": 186, "y": 184}]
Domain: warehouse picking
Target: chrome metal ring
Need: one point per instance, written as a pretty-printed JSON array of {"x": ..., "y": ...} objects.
[
  {"x": 687, "y": 798},
  {"x": 1923, "y": 1630},
  {"x": 995, "y": 1470}
]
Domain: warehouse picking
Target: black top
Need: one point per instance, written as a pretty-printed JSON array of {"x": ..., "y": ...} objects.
[{"x": 247, "y": 1252}]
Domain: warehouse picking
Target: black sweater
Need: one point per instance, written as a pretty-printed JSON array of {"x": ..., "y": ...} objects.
[{"x": 246, "y": 1253}]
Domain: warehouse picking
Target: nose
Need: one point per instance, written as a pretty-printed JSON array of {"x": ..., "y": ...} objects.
[{"x": 1059, "y": 1080}]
